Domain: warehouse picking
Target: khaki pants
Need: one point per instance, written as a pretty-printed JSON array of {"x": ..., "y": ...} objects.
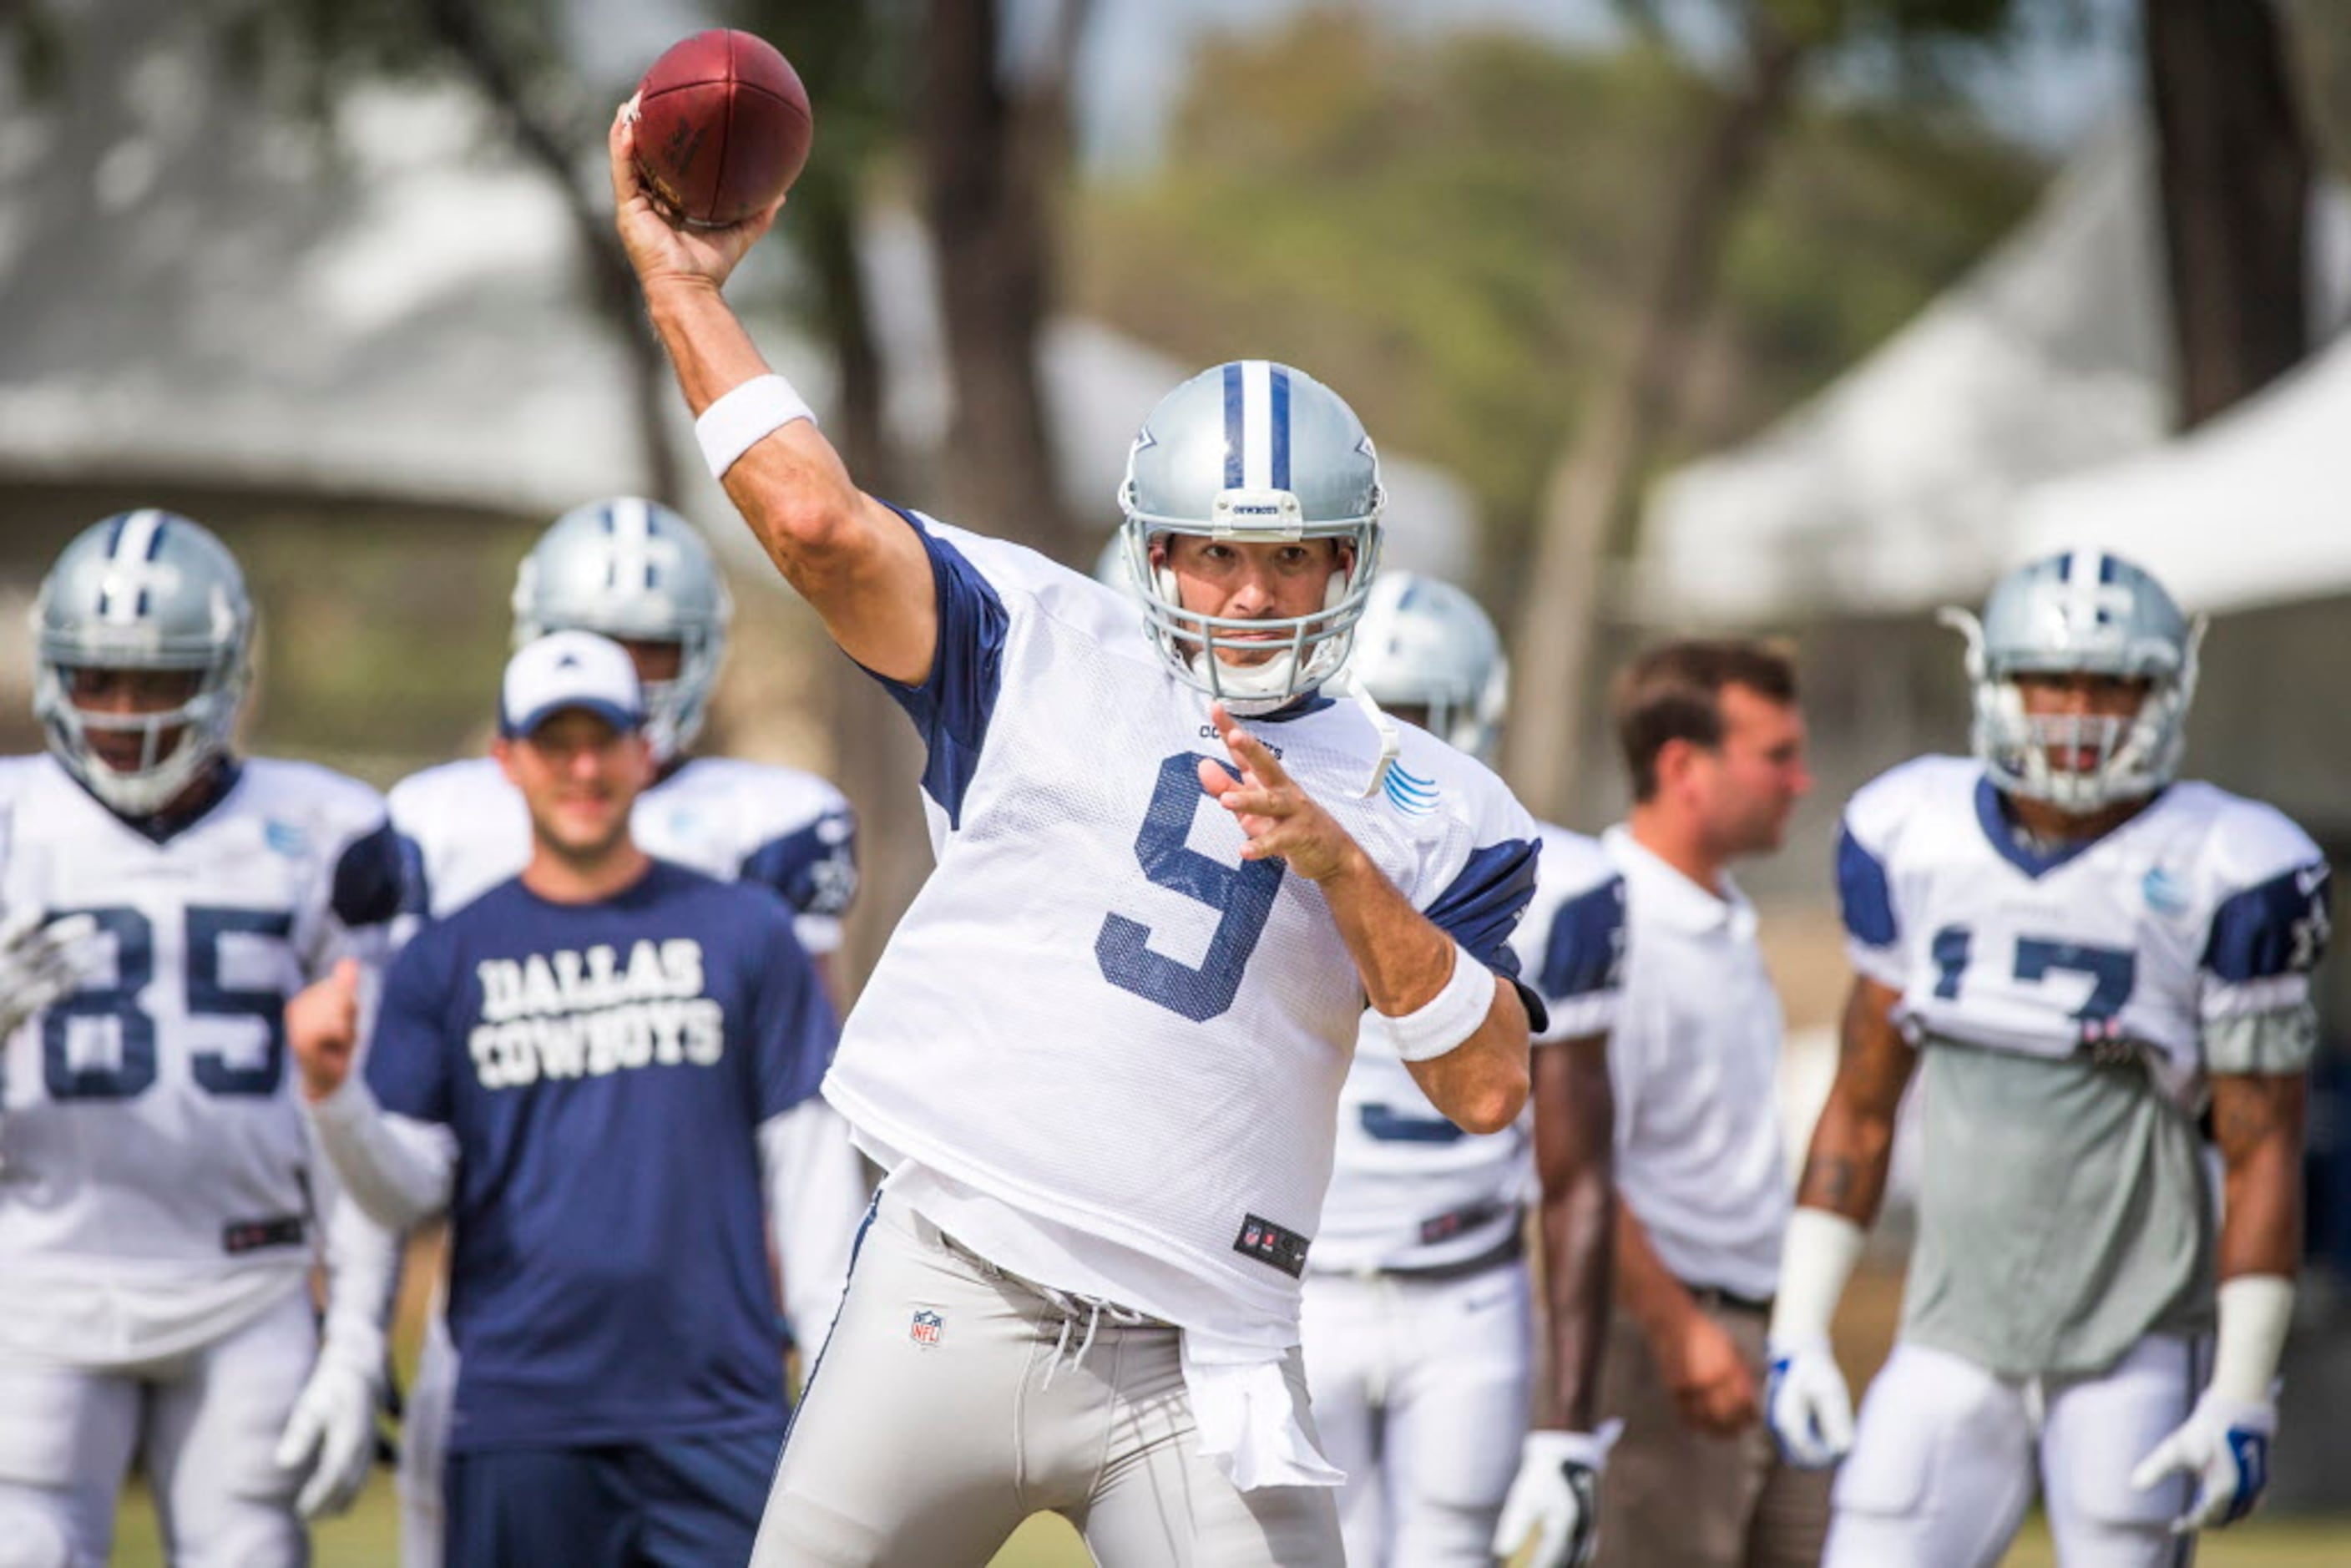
[
  {"x": 950, "y": 1403},
  {"x": 1674, "y": 1497}
]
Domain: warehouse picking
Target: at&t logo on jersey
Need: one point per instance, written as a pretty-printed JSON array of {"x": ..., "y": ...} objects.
[{"x": 569, "y": 1014}]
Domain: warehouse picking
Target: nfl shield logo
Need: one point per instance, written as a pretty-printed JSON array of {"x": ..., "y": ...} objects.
[{"x": 927, "y": 1324}]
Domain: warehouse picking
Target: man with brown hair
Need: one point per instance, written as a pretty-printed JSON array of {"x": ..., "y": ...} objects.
[{"x": 1715, "y": 747}]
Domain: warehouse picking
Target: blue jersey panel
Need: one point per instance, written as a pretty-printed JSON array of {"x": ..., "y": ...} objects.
[
  {"x": 1863, "y": 894},
  {"x": 953, "y": 706},
  {"x": 604, "y": 1069},
  {"x": 2277, "y": 928},
  {"x": 370, "y": 881},
  {"x": 1479, "y": 907},
  {"x": 1585, "y": 949},
  {"x": 814, "y": 868}
]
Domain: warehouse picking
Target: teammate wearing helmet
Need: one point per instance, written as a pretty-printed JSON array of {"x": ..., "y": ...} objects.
[
  {"x": 1101, "y": 1054},
  {"x": 637, "y": 572},
  {"x": 1419, "y": 1315},
  {"x": 2087, "y": 958},
  {"x": 160, "y": 1210}
]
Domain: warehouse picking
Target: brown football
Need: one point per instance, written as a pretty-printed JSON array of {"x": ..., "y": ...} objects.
[{"x": 723, "y": 127}]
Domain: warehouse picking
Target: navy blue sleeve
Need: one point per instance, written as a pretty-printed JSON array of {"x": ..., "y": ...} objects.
[
  {"x": 1483, "y": 903},
  {"x": 952, "y": 707},
  {"x": 408, "y": 1055},
  {"x": 416, "y": 885},
  {"x": 814, "y": 870},
  {"x": 1584, "y": 950},
  {"x": 790, "y": 1021},
  {"x": 2277, "y": 928},
  {"x": 1864, "y": 894},
  {"x": 368, "y": 880}
]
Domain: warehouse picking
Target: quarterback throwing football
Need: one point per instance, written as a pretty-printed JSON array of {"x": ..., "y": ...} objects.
[
  {"x": 1100, "y": 1057},
  {"x": 2087, "y": 958}
]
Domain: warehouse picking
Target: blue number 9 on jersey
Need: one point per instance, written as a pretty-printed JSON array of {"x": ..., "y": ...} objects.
[{"x": 1242, "y": 896}]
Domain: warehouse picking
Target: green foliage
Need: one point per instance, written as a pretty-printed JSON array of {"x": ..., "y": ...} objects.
[{"x": 1455, "y": 235}]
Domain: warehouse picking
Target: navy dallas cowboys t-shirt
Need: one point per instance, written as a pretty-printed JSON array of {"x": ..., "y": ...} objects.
[{"x": 605, "y": 1068}]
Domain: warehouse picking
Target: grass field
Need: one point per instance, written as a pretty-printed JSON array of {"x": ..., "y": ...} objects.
[{"x": 368, "y": 1537}]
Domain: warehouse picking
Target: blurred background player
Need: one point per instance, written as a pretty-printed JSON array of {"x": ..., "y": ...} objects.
[
  {"x": 159, "y": 1209},
  {"x": 639, "y": 574},
  {"x": 2089, "y": 957},
  {"x": 1418, "y": 1314},
  {"x": 597, "y": 1069},
  {"x": 1102, "y": 1053},
  {"x": 1714, "y": 744}
]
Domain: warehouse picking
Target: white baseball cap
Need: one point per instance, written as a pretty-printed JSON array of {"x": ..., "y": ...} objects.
[{"x": 570, "y": 670}]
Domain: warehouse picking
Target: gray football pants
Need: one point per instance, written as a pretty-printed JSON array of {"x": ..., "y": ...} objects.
[{"x": 950, "y": 1403}]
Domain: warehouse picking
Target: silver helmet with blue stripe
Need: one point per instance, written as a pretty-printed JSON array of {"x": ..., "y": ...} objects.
[
  {"x": 1424, "y": 644},
  {"x": 2081, "y": 613},
  {"x": 1252, "y": 453},
  {"x": 633, "y": 570},
  {"x": 146, "y": 591}
]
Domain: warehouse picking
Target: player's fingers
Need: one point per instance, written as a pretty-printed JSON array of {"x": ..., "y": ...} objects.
[
  {"x": 2166, "y": 1459},
  {"x": 300, "y": 1439},
  {"x": 346, "y": 975},
  {"x": 622, "y": 142},
  {"x": 1216, "y": 778},
  {"x": 1256, "y": 800}
]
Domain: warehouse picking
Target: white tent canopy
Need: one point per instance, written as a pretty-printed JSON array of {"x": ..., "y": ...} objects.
[
  {"x": 1896, "y": 488},
  {"x": 2252, "y": 508}
]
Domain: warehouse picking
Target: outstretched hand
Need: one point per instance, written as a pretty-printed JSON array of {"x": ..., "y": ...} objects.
[
  {"x": 1282, "y": 821},
  {"x": 659, "y": 248}
]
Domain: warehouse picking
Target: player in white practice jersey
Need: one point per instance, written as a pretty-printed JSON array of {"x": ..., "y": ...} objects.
[
  {"x": 2086, "y": 958},
  {"x": 1100, "y": 1056},
  {"x": 160, "y": 1210},
  {"x": 637, "y": 572},
  {"x": 1419, "y": 1315}
]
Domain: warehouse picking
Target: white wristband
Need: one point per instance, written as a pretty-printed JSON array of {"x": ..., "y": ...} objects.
[
  {"x": 746, "y": 416},
  {"x": 1815, "y": 1260},
  {"x": 2256, "y": 1309},
  {"x": 1448, "y": 1019}
]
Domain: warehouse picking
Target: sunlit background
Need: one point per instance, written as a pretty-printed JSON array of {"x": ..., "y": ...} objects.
[{"x": 1793, "y": 316}]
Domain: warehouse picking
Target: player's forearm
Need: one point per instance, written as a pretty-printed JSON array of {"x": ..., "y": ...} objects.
[
  {"x": 1649, "y": 1292},
  {"x": 1404, "y": 962},
  {"x": 1574, "y": 1131},
  {"x": 399, "y": 1172},
  {"x": 2257, "y": 1122},
  {"x": 816, "y": 1190},
  {"x": 1844, "y": 1171}
]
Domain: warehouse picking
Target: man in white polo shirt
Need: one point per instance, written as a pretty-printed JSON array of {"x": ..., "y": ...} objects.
[{"x": 1715, "y": 747}]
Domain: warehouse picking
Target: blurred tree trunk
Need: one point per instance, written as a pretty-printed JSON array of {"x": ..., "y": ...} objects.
[
  {"x": 995, "y": 145},
  {"x": 1591, "y": 488},
  {"x": 2235, "y": 174},
  {"x": 460, "y": 27}
]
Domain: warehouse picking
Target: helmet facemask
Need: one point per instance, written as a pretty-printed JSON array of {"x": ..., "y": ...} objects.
[
  {"x": 1252, "y": 453},
  {"x": 637, "y": 573},
  {"x": 145, "y": 590}
]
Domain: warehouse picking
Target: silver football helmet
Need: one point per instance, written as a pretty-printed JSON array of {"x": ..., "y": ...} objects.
[
  {"x": 1425, "y": 643},
  {"x": 2091, "y": 612},
  {"x": 635, "y": 570},
  {"x": 143, "y": 590},
  {"x": 1252, "y": 452}
]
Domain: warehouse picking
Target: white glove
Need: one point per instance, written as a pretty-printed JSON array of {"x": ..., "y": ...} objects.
[
  {"x": 2225, "y": 1444},
  {"x": 1806, "y": 1405},
  {"x": 1552, "y": 1518},
  {"x": 39, "y": 964},
  {"x": 331, "y": 1434}
]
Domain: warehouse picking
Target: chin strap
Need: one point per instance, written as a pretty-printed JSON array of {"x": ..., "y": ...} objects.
[{"x": 1390, "y": 738}]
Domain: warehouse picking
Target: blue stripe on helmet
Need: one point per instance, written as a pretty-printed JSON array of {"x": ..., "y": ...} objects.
[
  {"x": 2109, "y": 569},
  {"x": 155, "y": 549},
  {"x": 1234, "y": 438},
  {"x": 114, "y": 534},
  {"x": 1280, "y": 379}
]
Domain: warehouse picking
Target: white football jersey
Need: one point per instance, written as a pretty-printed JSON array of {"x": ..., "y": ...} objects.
[
  {"x": 465, "y": 831},
  {"x": 1409, "y": 1189},
  {"x": 2203, "y": 906},
  {"x": 152, "y": 1140},
  {"x": 1095, "y": 1011}
]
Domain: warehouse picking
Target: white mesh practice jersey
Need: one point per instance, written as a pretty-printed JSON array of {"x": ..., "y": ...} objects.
[
  {"x": 2204, "y": 906},
  {"x": 1096, "y": 1011},
  {"x": 1409, "y": 1189},
  {"x": 467, "y": 830},
  {"x": 151, "y": 1137}
]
